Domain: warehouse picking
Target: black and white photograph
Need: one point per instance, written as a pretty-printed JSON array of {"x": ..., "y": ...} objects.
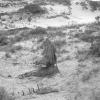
[{"x": 49, "y": 49}]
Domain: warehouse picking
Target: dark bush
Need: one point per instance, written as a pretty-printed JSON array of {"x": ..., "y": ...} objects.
[
  {"x": 58, "y": 33},
  {"x": 15, "y": 48},
  {"x": 3, "y": 41},
  {"x": 84, "y": 5},
  {"x": 86, "y": 38},
  {"x": 65, "y": 2},
  {"x": 86, "y": 77},
  {"x": 17, "y": 38},
  {"x": 40, "y": 2},
  {"x": 39, "y": 31},
  {"x": 97, "y": 18},
  {"x": 89, "y": 31},
  {"x": 40, "y": 39},
  {"x": 7, "y": 55},
  {"x": 95, "y": 48},
  {"x": 59, "y": 43},
  {"x": 94, "y": 5},
  {"x": 33, "y": 8}
]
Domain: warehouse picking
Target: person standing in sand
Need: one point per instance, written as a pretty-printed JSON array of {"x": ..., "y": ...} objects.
[{"x": 49, "y": 53}]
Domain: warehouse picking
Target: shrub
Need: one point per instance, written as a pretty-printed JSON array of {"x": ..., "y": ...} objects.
[
  {"x": 3, "y": 41},
  {"x": 17, "y": 38},
  {"x": 58, "y": 33},
  {"x": 97, "y": 18},
  {"x": 40, "y": 2},
  {"x": 39, "y": 31},
  {"x": 95, "y": 48},
  {"x": 89, "y": 31},
  {"x": 7, "y": 55},
  {"x": 59, "y": 43},
  {"x": 15, "y": 48},
  {"x": 88, "y": 75},
  {"x": 95, "y": 5},
  {"x": 84, "y": 5},
  {"x": 65, "y": 2},
  {"x": 21, "y": 34},
  {"x": 86, "y": 37},
  {"x": 33, "y": 8},
  {"x": 40, "y": 39}
]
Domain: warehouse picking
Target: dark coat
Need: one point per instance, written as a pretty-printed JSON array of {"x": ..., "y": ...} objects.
[{"x": 49, "y": 52}]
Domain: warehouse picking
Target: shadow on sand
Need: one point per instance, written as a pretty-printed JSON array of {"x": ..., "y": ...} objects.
[{"x": 41, "y": 72}]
